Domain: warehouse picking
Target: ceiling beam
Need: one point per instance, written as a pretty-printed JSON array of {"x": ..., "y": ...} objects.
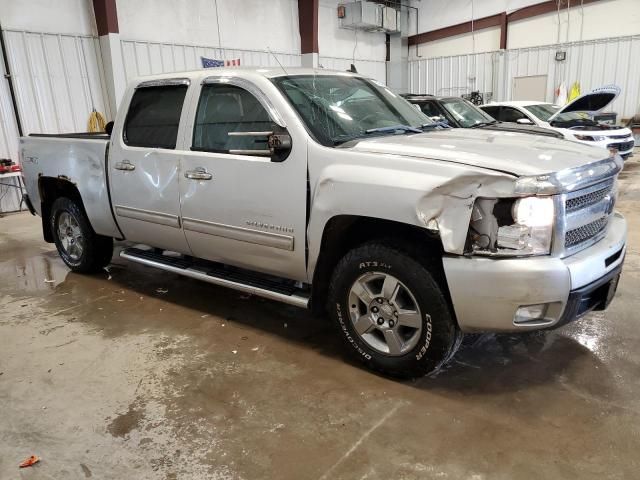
[{"x": 499, "y": 20}]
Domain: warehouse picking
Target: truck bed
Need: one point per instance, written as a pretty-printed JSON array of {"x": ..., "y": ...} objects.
[{"x": 78, "y": 158}]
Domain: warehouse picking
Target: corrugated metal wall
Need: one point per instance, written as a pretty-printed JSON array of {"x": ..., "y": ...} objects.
[
  {"x": 454, "y": 75},
  {"x": 593, "y": 63},
  {"x": 147, "y": 58},
  {"x": 58, "y": 80}
]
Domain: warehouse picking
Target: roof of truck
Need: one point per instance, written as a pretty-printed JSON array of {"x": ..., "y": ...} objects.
[{"x": 268, "y": 72}]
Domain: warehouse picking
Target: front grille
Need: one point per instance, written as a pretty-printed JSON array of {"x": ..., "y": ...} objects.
[
  {"x": 586, "y": 214},
  {"x": 584, "y": 233},
  {"x": 621, "y": 147},
  {"x": 588, "y": 199}
]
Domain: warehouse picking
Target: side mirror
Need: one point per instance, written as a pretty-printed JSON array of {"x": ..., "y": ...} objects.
[
  {"x": 524, "y": 121},
  {"x": 109, "y": 127},
  {"x": 279, "y": 146}
]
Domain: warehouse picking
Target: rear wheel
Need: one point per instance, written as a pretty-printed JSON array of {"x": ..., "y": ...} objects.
[
  {"x": 79, "y": 246},
  {"x": 391, "y": 312}
]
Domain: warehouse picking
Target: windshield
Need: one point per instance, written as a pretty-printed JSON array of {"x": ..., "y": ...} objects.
[
  {"x": 337, "y": 108},
  {"x": 544, "y": 111},
  {"x": 465, "y": 114}
]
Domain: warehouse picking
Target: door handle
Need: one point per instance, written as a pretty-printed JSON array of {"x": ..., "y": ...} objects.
[
  {"x": 198, "y": 173},
  {"x": 124, "y": 165}
]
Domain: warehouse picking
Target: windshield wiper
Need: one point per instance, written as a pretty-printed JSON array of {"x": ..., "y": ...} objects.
[
  {"x": 484, "y": 124},
  {"x": 340, "y": 139},
  {"x": 394, "y": 128},
  {"x": 434, "y": 125}
]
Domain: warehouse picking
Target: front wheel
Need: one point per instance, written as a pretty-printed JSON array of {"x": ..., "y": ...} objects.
[
  {"x": 391, "y": 312},
  {"x": 79, "y": 246}
]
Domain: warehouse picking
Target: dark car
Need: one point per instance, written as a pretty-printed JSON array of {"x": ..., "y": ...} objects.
[{"x": 460, "y": 113}]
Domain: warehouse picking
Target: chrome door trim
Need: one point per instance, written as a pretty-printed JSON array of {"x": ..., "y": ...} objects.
[
  {"x": 148, "y": 216},
  {"x": 164, "y": 83},
  {"x": 248, "y": 235},
  {"x": 252, "y": 89}
]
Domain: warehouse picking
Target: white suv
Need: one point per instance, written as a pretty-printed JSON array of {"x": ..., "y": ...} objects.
[{"x": 574, "y": 120}]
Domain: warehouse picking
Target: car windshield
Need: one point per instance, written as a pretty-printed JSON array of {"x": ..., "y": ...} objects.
[
  {"x": 465, "y": 113},
  {"x": 339, "y": 108},
  {"x": 544, "y": 111}
]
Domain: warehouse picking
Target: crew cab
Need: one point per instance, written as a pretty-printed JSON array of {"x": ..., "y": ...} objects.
[
  {"x": 575, "y": 121},
  {"x": 326, "y": 190}
]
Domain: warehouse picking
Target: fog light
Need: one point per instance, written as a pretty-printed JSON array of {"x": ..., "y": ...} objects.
[{"x": 531, "y": 313}]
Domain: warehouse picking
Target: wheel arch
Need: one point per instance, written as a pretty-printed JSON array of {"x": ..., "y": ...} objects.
[
  {"x": 50, "y": 189},
  {"x": 343, "y": 233}
]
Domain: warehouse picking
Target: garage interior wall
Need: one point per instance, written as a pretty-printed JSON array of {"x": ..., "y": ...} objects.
[{"x": 598, "y": 59}]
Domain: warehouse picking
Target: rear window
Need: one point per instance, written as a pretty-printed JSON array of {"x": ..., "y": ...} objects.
[{"x": 154, "y": 116}]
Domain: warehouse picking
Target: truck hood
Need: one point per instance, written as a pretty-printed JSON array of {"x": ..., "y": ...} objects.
[{"x": 516, "y": 153}]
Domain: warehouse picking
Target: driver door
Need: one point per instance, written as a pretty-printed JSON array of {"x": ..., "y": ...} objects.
[{"x": 241, "y": 206}]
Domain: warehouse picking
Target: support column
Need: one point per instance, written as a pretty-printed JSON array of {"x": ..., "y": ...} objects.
[
  {"x": 308, "y": 26},
  {"x": 504, "y": 29},
  {"x": 106, "y": 15},
  {"x": 398, "y": 56}
]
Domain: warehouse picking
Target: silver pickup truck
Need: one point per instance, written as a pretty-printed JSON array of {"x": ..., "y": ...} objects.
[{"x": 325, "y": 190}]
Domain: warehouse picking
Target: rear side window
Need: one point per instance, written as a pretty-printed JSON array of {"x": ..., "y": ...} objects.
[
  {"x": 493, "y": 111},
  {"x": 224, "y": 113},
  {"x": 154, "y": 116},
  {"x": 509, "y": 114},
  {"x": 429, "y": 109}
]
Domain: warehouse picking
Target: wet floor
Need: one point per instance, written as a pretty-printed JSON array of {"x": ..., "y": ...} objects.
[{"x": 137, "y": 373}]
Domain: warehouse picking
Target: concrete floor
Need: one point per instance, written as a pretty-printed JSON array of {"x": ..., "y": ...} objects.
[{"x": 144, "y": 374}]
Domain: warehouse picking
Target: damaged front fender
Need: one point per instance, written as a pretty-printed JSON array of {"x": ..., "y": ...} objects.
[{"x": 430, "y": 194}]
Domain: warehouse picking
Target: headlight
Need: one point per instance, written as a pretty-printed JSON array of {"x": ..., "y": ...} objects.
[
  {"x": 534, "y": 220},
  {"x": 513, "y": 227},
  {"x": 533, "y": 211},
  {"x": 590, "y": 138}
]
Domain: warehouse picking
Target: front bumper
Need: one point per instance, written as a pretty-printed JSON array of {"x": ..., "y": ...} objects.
[{"x": 486, "y": 292}]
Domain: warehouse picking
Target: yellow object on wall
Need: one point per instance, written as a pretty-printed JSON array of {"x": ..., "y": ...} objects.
[{"x": 575, "y": 91}]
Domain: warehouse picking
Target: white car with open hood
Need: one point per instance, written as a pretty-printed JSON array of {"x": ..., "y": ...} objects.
[{"x": 574, "y": 120}]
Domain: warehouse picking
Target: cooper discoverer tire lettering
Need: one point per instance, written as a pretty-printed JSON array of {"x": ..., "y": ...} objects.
[{"x": 391, "y": 313}]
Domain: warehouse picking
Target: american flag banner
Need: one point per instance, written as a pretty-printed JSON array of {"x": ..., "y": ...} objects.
[{"x": 211, "y": 62}]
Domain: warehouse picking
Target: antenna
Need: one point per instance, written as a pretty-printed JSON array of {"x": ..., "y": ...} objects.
[{"x": 274, "y": 56}]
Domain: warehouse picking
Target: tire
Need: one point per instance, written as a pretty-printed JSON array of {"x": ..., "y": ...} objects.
[
  {"x": 424, "y": 335},
  {"x": 78, "y": 245}
]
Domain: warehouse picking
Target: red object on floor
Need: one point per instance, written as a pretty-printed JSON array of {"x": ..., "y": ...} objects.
[
  {"x": 16, "y": 168},
  {"x": 32, "y": 460},
  {"x": 4, "y": 169}
]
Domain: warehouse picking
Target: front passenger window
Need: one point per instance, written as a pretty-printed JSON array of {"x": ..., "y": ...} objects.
[{"x": 227, "y": 109}]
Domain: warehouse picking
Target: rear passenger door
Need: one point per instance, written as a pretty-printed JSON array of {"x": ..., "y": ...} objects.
[
  {"x": 240, "y": 206},
  {"x": 144, "y": 165}
]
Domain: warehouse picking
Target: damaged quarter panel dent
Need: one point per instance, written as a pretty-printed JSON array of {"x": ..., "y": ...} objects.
[
  {"x": 427, "y": 193},
  {"x": 82, "y": 162}
]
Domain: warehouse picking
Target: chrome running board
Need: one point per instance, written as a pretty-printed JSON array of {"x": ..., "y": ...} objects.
[{"x": 248, "y": 282}]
